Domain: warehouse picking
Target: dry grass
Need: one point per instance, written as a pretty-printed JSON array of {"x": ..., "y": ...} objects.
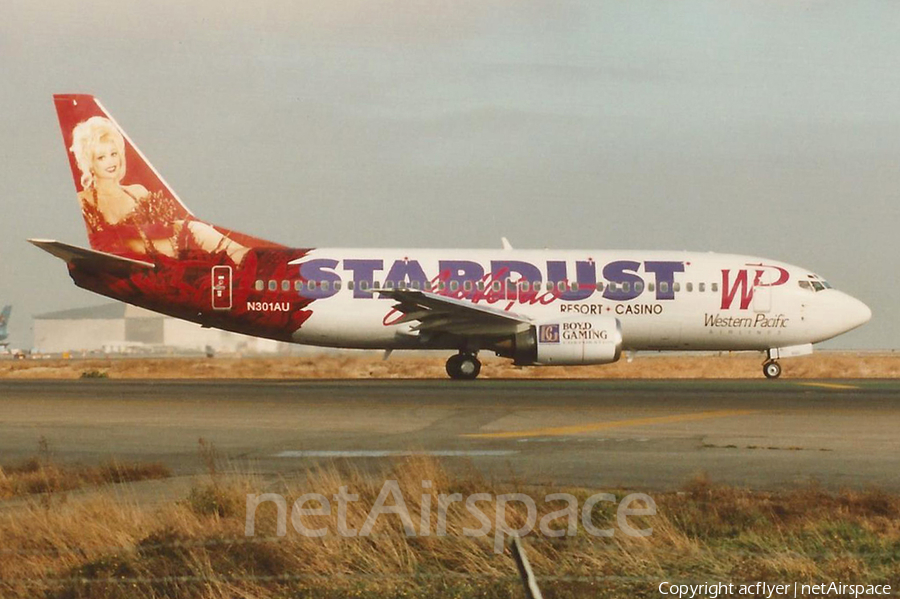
[
  {"x": 42, "y": 475},
  {"x": 102, "y": 547},
  {"x": 359, "y": 365},
  {"x": 35, "y": 476}
]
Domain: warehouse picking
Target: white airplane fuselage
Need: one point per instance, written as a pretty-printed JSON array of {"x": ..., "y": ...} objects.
[{"x": 663, "y": 300}]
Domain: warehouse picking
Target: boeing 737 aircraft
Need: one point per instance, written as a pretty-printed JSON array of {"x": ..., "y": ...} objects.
[
  {"x": 536, "y": 307},
  {"x": 4, "y": 322}
]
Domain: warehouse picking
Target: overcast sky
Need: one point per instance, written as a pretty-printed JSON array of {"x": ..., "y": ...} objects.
[{"x": 751, "y": 126}]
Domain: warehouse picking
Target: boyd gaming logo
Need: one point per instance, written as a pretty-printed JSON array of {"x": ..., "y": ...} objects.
[
  {"x": 548, "y": 333},
  {"x": 764, "y": 275}
]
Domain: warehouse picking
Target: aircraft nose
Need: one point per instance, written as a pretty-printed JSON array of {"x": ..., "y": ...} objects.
[{"x": 854, "y": 313}]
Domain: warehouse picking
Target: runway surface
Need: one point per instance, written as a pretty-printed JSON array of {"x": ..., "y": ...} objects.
[{"x": 601, "y": 434}]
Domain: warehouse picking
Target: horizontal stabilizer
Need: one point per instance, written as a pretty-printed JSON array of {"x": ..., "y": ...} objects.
[{"x": 91, "y": 259}]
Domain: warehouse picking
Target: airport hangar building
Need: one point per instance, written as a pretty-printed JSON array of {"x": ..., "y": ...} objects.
[{"x": 120, "y": 328}]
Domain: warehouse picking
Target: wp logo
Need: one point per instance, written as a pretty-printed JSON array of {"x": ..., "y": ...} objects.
[{"x": 740, "y": 287}]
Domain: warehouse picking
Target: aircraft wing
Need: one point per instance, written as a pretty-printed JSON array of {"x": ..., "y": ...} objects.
[
  {"x": 92, "y": 259},
  {"x": 446, "y": 315}
]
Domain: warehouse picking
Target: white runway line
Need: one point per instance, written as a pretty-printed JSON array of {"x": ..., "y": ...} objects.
[{"x": 395, "y": 454}]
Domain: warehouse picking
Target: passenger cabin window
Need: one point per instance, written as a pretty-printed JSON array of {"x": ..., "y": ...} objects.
[
  {"x": 701, "y": 287},
  {"x": 467, "y": 286},
  {"x": 388, "y": 284},
  {"x": 676, "y": 286},
  {"x": 337, "y": 285},
  {"x": 689, "y": 287},
  {"x": 350, "y": 285},
  {"x": 311, "y": 285},
  {"x": 260, "y": 285},
  {"x": 651, "y": 287},
  {"x": 479, "y": 285},
  {"x": 664, "y": 287},
  {"x": 496, "y": 286},
  {"x": 714, "y": 287},
  {"x": 364, "y": 285},
  {"x": 599, "y": 285},
  {"x": 298, "y": 285},
  {"x": 285, "y": 285},
  {"x": 454, "y": 285},
  {"x": 638, "y": 287},
  {"x": 626, "y": 286},
  {"x": 273, "y": 285},
  {"x": 325, "y": 286},
  {"x": 414, "y": 285}
]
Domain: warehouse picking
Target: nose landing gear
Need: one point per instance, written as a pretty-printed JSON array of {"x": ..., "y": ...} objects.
[
  {"x": 463, "y": 366},
  {"x": 771, "y": 369}
]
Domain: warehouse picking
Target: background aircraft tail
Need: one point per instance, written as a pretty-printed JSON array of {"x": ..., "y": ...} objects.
[
  {"x": 4, "y": 321},
  {"x": 128, "y": 208}
]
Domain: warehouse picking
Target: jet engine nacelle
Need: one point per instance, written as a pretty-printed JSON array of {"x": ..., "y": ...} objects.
[{"x": 571, "y": 340}]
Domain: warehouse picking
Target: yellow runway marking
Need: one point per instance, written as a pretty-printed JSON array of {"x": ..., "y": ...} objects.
[
  {"x": 828, "y": 385},
  {"x": 578, "y": 429}
]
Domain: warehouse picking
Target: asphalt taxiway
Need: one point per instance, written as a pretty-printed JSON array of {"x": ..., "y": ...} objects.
[{"x": 646, "y": 435}]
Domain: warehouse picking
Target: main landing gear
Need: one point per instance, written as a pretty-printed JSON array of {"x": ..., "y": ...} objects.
[
  {"x": 771, "y": 369},
  {"x": 463, "y": 366}
]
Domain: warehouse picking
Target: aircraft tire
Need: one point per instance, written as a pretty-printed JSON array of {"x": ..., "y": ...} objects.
[
  {"x": 772, "y": 369},
  {"x": 463, "y": 367},
  {"x": 453, "y": 366}
]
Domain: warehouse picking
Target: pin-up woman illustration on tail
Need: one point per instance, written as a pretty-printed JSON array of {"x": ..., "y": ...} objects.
[{"x": 130, "y": 218}]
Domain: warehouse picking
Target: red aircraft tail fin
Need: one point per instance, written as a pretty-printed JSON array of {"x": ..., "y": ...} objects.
[{"x": 128, "y": 207}]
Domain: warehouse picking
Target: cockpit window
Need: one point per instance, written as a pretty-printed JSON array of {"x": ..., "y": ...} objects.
[{"x": 815, "y": 284}]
